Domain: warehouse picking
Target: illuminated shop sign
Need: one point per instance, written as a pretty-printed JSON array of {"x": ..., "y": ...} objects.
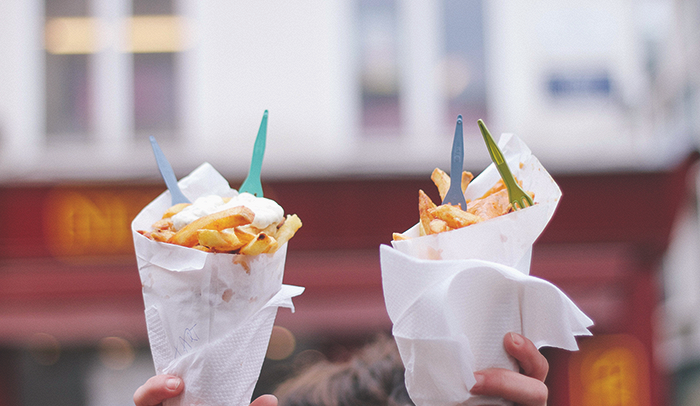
[{"x": 91, "y": 221}]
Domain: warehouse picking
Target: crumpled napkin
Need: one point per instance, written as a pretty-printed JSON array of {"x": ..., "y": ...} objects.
[
  {"x": 453, "y": 296},
  {"x": 209, "y": 316}
]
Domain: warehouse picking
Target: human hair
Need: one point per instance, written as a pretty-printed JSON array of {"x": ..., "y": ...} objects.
[{"x": 373, "y": 376}]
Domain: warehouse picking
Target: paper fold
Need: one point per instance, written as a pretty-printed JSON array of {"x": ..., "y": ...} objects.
[
  {"x": 209, "y": 315},
  {"x": 453, "y": 296}
]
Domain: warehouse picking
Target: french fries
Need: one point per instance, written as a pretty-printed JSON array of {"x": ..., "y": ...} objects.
[
  {"x": 173, "y": 210},
  {"x": 261, "y": 243},
  {"x": 435, "y": 219},
  {"x": 442, "y": 181},
  {"x": 246, "y": 233},
  {"x": 235, "y": 216},
  {"x": 287, "y": 230},
  {"x": 219, "y": 240},
  {"x": 228, "y": 231},
  {"x": 424, "y": 207},
  {"x": 454, "y": 216}
]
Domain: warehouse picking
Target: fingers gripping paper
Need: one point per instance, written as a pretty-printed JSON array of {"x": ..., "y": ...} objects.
[
  {"x": 453, "y": 296},
  {"x": 209, "y": 316}
]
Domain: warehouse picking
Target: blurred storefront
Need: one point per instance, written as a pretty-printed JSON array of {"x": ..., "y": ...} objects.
[
  {"x": 72, "y": 311},
  {"x": 362, "y": 97}
]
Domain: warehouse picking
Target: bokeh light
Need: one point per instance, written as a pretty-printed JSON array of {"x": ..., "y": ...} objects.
[
  {"x": 282, "y": 344},
  {"x": 116, "y": 353},
  {"x": 45, "y": 349}
]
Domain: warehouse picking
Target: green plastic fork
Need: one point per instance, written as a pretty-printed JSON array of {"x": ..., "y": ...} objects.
[
  {"x": 518, "y": 198},
  {"x": 252, "y": 184}
]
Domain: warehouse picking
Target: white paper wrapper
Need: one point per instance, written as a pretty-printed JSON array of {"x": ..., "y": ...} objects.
[
  {"x": 453, "y": 296},
  {"x": 209, "y": 316}
]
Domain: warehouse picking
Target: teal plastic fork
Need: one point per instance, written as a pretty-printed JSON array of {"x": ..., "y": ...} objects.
[
  {"x": 518, "y": 198},
  {"x": 252, "y": 184}
]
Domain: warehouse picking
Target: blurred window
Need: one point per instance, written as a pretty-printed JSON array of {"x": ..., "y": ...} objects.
[
  {"x": 69, "y": 35},
  {"x": 379, "y": 68},
  {"x": 155, "y": 35},
  {"x": 152, "y": 7},
  {"x": 463, "y": 64}
]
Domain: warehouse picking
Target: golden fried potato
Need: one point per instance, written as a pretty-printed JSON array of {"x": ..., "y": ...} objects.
[
  {"x": 454, "y": 216},
  {"x": 260, "y": 244},
  {"x": 211, "y": 238},
  {"x": 229, "y": 234},
  {"x": 246, "y": 233},
  {"x": 466, "y": 180},
  {"x": 233, "y": 217},
  {"x": 272, "y": 247},
  {"x": 438, "y": 226},
  {"x": 424, "y": 206},
  {"x": 421, "y": 229},
  {"x": 498, "y": 187},
  {"x": 271, "y": 229},
  {"x": 220, "y": 241},
  {"x": 438, "y": 218},
  {"x": 495, "y": 188},
  {"x": 494, "y": 205},
  {"x": 163, "y": 224},
  {"x": 442, "y": 180},
  {"x": 162, "y": 235},
  {"x": 399, "y": 237},
  {"x": 173, "y": 210},
  {"x": 287, "y": 230},
  {"x": 227, "y": 231}
]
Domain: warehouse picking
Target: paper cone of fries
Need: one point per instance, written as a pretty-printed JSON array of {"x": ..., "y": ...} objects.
[
  {"x": 209, "y": 315},
  {"x": 453, "y": 296}
]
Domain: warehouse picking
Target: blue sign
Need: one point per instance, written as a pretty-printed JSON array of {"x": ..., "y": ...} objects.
[{"x": 579, "y": 86}]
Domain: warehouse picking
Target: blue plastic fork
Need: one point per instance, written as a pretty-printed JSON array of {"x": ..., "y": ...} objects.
[
  {"x": 166, "y": 171},
  {"x": 454, "y": 195}
]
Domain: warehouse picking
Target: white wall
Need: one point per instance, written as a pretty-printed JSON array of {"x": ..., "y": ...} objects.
[
  {"x": 531, "y": 41},
  {"x": 21, "y": 84},
  {"x": 297, "y": 60}
]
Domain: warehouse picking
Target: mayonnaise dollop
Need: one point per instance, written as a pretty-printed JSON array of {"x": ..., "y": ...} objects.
[{"x": 266, "y": 211}]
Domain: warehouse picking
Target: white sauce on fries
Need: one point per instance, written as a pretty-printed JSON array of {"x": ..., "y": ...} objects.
[{"x": 266, "y": 211}]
